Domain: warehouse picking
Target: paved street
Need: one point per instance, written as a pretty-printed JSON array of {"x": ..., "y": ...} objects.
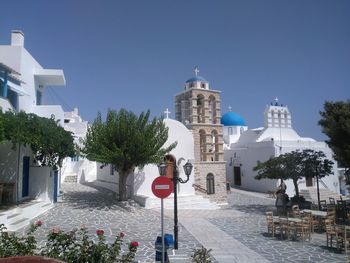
[{"x": 236, "y": 233}]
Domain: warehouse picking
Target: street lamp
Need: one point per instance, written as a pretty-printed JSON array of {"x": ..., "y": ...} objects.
[
  {"x": 176, "y": 179},
  {"x": 162, "y": 168}
]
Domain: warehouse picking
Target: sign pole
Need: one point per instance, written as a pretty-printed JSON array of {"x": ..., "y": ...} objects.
[{"x": 162, "y": 227}]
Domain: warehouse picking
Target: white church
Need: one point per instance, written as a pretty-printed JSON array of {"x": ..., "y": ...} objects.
[
  {"x": 222, "y": 149},
  {"x": 245, "y": 147}
]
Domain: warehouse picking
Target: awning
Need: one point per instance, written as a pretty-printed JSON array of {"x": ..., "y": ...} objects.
[{"x": 16, "y": 88}]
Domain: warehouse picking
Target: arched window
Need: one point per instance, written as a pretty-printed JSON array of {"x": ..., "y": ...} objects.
[
  {"x": 200, "y": 108},
  {"x": 215, "y": 146},
  {"x": 212, "y": 108},
  {"x": 202, "y": 145},
  {"x": 210, "y": 184}
]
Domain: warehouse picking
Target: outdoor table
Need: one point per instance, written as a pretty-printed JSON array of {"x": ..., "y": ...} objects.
[{"x": 315, "y": 212}]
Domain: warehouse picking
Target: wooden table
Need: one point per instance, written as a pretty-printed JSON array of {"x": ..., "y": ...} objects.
[{"x": 322, "y": 214}]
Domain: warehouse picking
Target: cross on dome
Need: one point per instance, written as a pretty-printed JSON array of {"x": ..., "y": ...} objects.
[
  {"x": 229, "y": 108},
  {"x": 196, "y": 70},
  {"x": 167, "y": 112}
]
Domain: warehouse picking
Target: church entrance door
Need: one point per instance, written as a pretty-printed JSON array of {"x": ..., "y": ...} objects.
[{"x": 237, "y": 175}]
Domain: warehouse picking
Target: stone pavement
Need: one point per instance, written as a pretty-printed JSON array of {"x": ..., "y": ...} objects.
[
  {"x": 97, "y": 208},
  {"x": 236, "y": 233}
]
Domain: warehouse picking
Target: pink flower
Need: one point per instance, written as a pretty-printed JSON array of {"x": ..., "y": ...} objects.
[
  {"x": 56, "y": 230},
  {"x": 134, "y": 244},
  {"x": 38, "y": 223},
  {"x": 100, "y": 232},
  {"x": 121, "y": 235}
]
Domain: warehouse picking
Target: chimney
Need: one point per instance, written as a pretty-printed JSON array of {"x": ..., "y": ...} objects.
[{"x": 17, "y": 38}]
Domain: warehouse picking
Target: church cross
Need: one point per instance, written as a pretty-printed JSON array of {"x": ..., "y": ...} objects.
[
  {"x": 167, "y": 112},
  {"x": 230, "y": 108},
  {"x": 196, "y": 70}
]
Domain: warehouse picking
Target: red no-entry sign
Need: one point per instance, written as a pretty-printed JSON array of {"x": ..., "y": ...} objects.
[{"x": 162, "y": 187}]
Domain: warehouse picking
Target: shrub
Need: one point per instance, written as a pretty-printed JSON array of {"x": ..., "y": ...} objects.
[
  {"x": 72, "y": 246},
  {"x": 201, "y": 255}
]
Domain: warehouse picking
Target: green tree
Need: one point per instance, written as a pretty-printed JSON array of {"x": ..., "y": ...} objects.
[
  {"x": 295, "y": 165},
  {"x": 2, "y": 130},
  {"x": 49, "y": 142},
  {"x": 335, "y": 123},
  {"x": 316, "y": 165},
  {"x": 126, "y": 141},
  {"x": 285, "y": 166}
]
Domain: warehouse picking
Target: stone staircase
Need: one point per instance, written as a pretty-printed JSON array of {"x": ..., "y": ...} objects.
[
  {"x": 71, "y": 178},
  {"x": 310, "y": 194},
  {"x": 20, "y": 216},
  {"x": 189, "y": 202}
]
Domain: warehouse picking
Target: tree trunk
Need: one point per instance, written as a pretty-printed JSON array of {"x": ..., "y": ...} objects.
[
  {"x": 295, "y": 182},
  {"x": 122, "y": 185}
]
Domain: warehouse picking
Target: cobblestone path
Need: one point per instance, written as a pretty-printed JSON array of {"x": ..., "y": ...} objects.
[
  {"x": 242, "y": 220},
  {"x": 86, "y": 205}
]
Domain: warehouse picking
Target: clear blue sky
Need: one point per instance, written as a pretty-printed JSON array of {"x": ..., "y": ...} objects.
[{"x": 138, "y": 54}]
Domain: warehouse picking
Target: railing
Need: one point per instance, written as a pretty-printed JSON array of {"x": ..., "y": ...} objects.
[
  {"x": 199, "y": 188},
  {"x": 323, "y": 183}
]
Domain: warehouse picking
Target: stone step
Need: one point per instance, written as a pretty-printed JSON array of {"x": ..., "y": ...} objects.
[{"x": 311, "y": 194}]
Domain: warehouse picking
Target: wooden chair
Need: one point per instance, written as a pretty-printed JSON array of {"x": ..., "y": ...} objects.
[
  {"x": 341, "y": 211},
  {"x": 272, "y": 226},
  {"x": 314, "y": 206},
  {"x": 323, "y": 204},
  {"x": 331, "y": 213},
  {"x": 343, "y": 240},
  {"x": 286, "y": 227},
  {"x": 331, "y": 231}
]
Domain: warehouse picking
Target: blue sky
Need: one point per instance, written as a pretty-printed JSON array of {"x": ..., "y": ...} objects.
[{"x": 138, "y": 54}]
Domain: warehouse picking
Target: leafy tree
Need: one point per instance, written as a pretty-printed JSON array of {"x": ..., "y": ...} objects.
[
  {"x": 295, "y": 165},
  {"x": 316, "y": 165},
  {"x": 1, "y": 127},
  {"x": 285, "y": 166},
  {"x": 126, "y": 141},
  {"x": 335, "y": 124},
  {"x": 49, "y": 141}
]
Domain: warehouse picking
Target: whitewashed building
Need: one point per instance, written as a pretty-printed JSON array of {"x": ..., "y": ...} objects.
[
  {"x": 22, "y": 85},
  {"x": 248, "y": 146}
]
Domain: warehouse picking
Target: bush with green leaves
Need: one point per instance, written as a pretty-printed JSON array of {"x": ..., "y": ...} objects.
[
  {"x": 201, "y": 255},
  {"x": 73, "y": 246}
]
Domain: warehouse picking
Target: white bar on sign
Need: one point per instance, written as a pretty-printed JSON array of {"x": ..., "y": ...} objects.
[{"x": 162, "y": 186}]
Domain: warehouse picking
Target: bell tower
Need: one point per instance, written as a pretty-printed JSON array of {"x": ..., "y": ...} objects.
[{"x": 199, "y": 109}]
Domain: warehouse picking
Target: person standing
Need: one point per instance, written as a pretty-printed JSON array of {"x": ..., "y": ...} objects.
[{"x": 281, "y": 203}]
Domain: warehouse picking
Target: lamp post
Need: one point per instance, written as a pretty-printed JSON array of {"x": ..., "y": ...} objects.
[{"x": 176, "y": 179}]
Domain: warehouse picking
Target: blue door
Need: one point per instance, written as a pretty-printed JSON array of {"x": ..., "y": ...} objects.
[
  {"x": 25, "y": 176},
  {"x": 55, "y": 186}
]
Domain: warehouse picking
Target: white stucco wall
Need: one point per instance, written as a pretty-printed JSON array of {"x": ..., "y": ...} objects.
[
  {"x": 184, "y": 151},
  {"x": 262, "y": 151},
  {"x": 41, "y": 183}
]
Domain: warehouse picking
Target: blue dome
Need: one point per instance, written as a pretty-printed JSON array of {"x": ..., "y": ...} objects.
[
  {"x": 232, "y": 119},
  {"x": 197, "y": 78}
]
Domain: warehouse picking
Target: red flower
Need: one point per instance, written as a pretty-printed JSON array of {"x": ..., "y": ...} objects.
[
  {"x": 134, "y": 244},
  {"x": 39, "y": 223},
  {"x": 100, "y": 232},
  {"x": 121, "y": 235}
]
